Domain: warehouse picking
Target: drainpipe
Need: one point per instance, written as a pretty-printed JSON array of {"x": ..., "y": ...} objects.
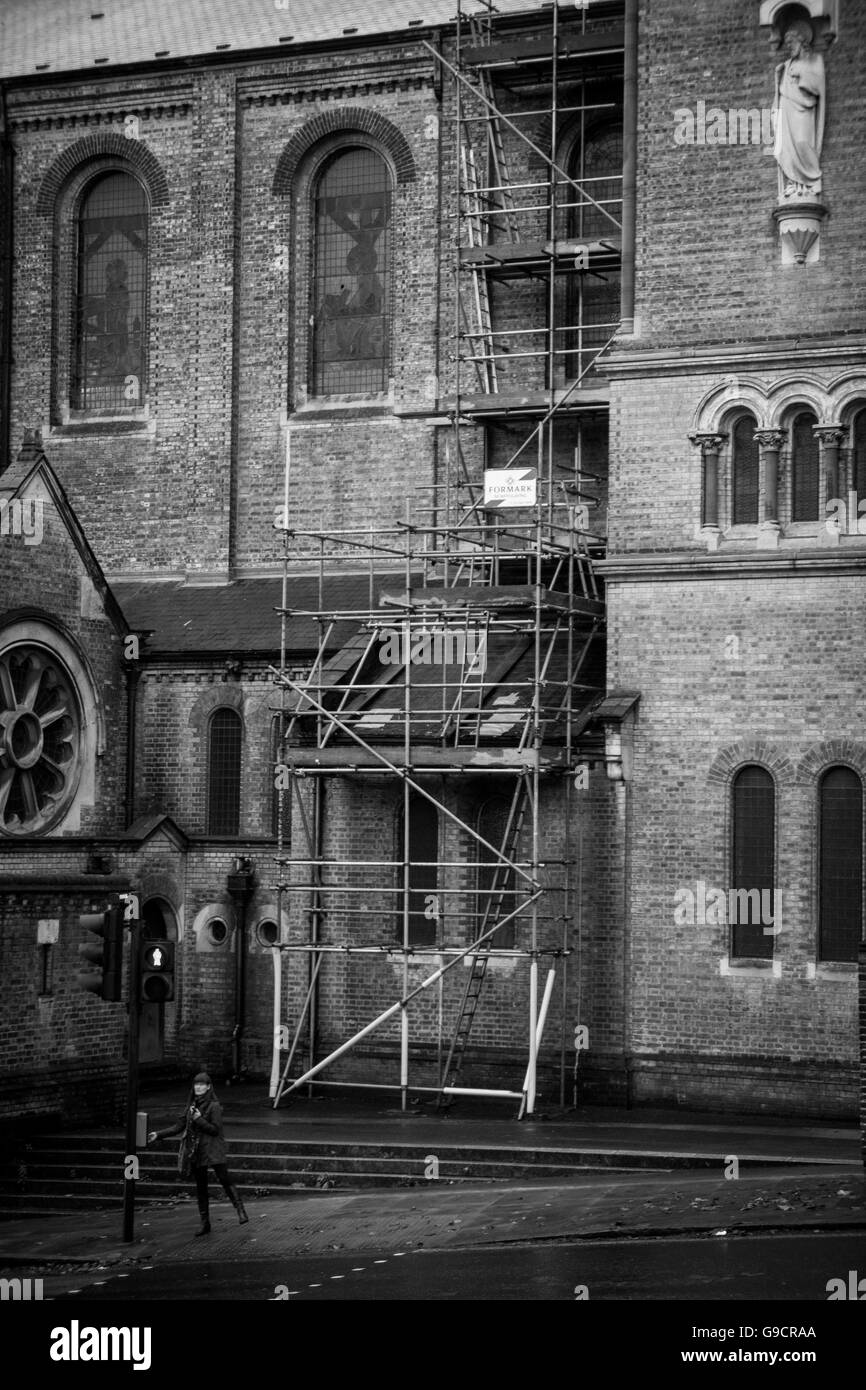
[
  {"x": 6, "y": 228},
  {"x": 133, "y": 674},
  {"x": 629, "y": 164},
  {"x": 240, "y": 882},
  {"x": 315, "y": 917}
]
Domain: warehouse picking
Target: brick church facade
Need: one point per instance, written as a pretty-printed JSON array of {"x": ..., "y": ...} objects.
[{"x": 241, "y": 372}]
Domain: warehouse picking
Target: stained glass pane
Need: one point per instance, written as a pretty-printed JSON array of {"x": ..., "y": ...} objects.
[
  {"x": 352, "y": 276},
  {"x": 859, "y": 461},
  {"x": 804, "y": 470},
  {"x": 841, "y": 906},
  {"x": 224, "y": 780},
  {"x": 593, "y": 301},
  {"x": 423, "y": 869},
  {"x": 754, "y": 859},
  {"x": 744, "y": 510},
  {"x": 111, "y": 304},
  {"x": 496, "y": 881}
]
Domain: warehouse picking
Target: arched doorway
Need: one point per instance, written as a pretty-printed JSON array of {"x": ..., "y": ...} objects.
[{"x": 158, "y": 922}]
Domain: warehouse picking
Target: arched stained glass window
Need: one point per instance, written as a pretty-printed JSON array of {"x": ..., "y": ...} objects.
[
  {"x": 423, "y": 871},
  {"x": 593, "y": 300},
  {"x": 858, "y": 464},
  {"x": 111, "y": 297},
  {"x": 751, "y": 903},
  {"x": 351, "y": 278},
  {"x": 804, "y": 468},
  {"x": 841, "y": 865},
  {"x": 224, "y": 773},
  {"x": 496, "y": 897},
  {"x": 744, "y": 473}
]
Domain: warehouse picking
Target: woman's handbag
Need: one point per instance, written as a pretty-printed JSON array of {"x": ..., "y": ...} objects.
[{"x": 186, "y": 1152}]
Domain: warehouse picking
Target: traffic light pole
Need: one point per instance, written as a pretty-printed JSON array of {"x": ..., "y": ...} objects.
[{"x": 132, "y": 1081}]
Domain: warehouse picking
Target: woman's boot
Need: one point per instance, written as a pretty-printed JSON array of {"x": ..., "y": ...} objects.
[
  {"x": 235, "y": 1199},
  {"x": 204, "y": 1228}
]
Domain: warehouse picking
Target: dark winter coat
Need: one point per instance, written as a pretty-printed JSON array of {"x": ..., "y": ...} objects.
[{"x": 205, "y": 1134}]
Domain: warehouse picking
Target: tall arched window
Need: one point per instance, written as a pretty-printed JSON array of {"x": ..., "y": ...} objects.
[
  {"x": 858, "y": 461},
  {"x": 751, "y": 903},
  {"x": 111, "y": 297},
  {"x": 423, "y": 876},
  {"x": 840, "y": 907},
  {"x": 744, "y": 473},
  {"x": 804, "y": 468},
  {"x": 593, "y": 300},
  {"x": 224, "y": 773},
  {"x": 496, "y": 897},
  {"x": 351, "y": 278}
]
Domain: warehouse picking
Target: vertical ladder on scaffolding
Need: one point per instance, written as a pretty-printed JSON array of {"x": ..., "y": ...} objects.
[
  {"x": 481, "y": 958},
  {"x": 481, "y": 339}
]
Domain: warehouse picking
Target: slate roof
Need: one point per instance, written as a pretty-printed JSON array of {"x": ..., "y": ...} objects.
[
  {"x": 71, "y": 35},
  {"x": 230, "y": 619}
]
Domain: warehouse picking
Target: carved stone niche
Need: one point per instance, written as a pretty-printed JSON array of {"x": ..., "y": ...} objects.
[
  {"x": 823, "y": 14},
  {"x": 801, "y": 33}
]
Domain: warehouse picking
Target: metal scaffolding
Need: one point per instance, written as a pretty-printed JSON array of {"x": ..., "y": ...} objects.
[{"x": 466, "y": 640}]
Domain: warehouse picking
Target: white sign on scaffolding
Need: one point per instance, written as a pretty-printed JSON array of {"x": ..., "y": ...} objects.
[{"x": 509, "y": 487}]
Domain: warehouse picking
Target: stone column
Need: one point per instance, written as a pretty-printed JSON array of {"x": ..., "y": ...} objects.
[
  {"x": 710, "y": 445},
  {"x": 769, "y": 530},
  {"x": 830, "y": 437}
]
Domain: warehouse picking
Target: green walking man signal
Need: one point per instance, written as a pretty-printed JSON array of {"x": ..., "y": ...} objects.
[{"x": 103, "y": 973}]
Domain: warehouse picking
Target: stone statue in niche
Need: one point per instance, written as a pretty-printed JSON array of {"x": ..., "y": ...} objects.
[{"x": 800, "y": 106}]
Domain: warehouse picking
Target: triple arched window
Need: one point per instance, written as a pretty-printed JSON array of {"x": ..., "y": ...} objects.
[
  {"x": 351, "y": 282},
  {"x": 110, "y": 317}
]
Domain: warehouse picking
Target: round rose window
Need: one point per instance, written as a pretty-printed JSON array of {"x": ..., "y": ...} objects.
[{"x": 40, "y": 739}]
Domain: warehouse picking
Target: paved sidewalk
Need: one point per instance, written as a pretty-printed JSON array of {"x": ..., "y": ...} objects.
[
  {"x": 790, "y": 1176},
  {"x": 439, "y": 1218}
]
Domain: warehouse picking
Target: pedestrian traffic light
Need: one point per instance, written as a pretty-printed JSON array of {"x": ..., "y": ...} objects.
[
  {"x": 104, "y": 974},
  {"x": 157, "y": 971}
]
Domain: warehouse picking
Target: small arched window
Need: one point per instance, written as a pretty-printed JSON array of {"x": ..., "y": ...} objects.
[
  {"x": 224, "y": 773},
  {"x": 423, "y": 871},
  {"x": 840, "y": 907},
  {"x": 111, "y": 297},
  {"x": 858, "y": 451},
  {"x": 751, "y": 902},
  {"x": 804, "y": 468},
  {"x": 744, "y": 473},
  {"x": 496, "y": 896},
  {"x": 351, "y": 281}
]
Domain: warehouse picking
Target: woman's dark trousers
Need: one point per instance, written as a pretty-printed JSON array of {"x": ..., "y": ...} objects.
[{"x": 201, "y": 1193}]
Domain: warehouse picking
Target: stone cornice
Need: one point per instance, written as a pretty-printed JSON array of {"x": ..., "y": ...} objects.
[
  {"x": 677, "y": 565},
  {"x": 334, "y": 83},
  {"x": 100, "y": 109},
  {"x": 746, "y": 356}
]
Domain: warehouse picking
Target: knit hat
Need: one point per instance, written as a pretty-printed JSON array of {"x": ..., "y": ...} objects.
[{"x": 202, "y": 1077}]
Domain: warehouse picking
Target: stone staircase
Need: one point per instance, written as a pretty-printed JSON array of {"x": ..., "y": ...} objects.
[{"x": 83, "y": 1171}]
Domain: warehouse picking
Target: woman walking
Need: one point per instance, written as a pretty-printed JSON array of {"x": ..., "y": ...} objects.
[{"x": 203, "y": 1145}]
